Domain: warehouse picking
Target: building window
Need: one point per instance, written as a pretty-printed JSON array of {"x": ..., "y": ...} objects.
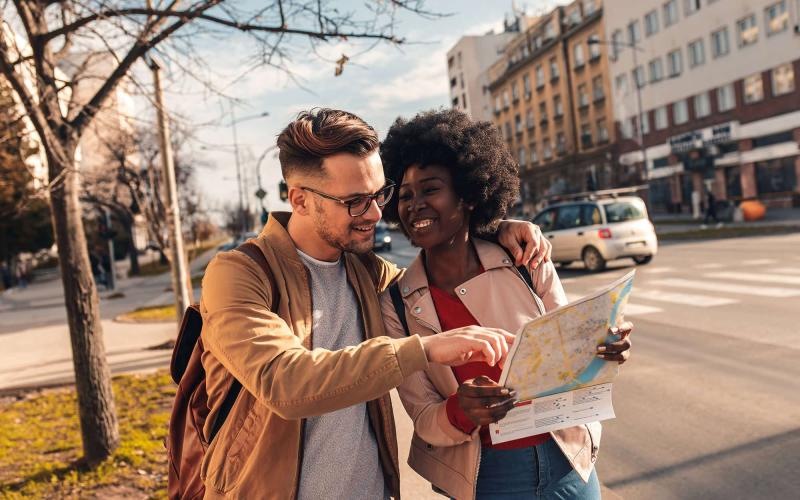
[
  {"x": 514, "y": 92},
  {"x": 660, "y": 118},
  {"x": 776, "y": 18},
  {"x": 616, "y": 44},
  {"x": 523, "y": 157},
  {"x": 747, "y": 30},
  {"x": 453, "y": 82},
  {"x": 783, "y": 79},
  {"x": 776, "y": 176},
  {"x": 455, "y": 101},
  {"x": 583, "y": 95},
  {"x": 464, "y": 100},
  {"x": 594, "y": 48},
  {"x": 597, "y": 88},
  {"x": 561, "y": 143},
  {"x": 547, "y": 150},
  {"x": 702, "y": 105},
  {"x": 621, "y": 84},
  {"x": 526, "y": 84},
  {"x": 726, "y": 97},
  {"x": 558, "y": 108},
  {"x": 656, "y": 70},
  {"x": 670, "y": 13},
  {"x": 691, "y": 6},
  {"x": 529, "y": 119},
  {"x": 508, "y": 133},
  {"x": 586, "y": 135},
  {"x": 644, "y": 123},
  {"x": 589, "y": 7},
  {"x": 697, "y": 53},
  {"x": 575, "y": 15},
  {"x": 753, "y": 88},
  {"x": 602, "y": 130},
  {"x": 719, "y": 43},
  {"x": 543, "y": 112},
  {"x": 627, "y": 128},
  {"x": 539, "y": 76},
  {"x": 675, "y": 63},
  {"x": 680, "y": 112},
  {"x": 497, "y": 105},
  {"x": 638, "y": 76},
  {"x": 534, "y": 153},
  {"x": 506, "y": 102},
  {"x": 553, "y": 68},
  {"x": 651, "y": 23},
  {"x": 518, "y": 124},
  {"x": 577, "y": 54},
  {"x": 634, "y": 32}
]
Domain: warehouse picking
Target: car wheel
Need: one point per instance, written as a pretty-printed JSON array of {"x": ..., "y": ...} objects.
[
  {"x": 387, "y": 247},
  {"x": 642, "y": 260},
  {"x": 592, "y": 259}
]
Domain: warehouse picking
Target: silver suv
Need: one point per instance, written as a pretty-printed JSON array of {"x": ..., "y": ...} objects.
[{"x": 596, "y": 231}]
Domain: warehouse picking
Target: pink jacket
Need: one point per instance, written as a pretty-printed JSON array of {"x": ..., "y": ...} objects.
[{"x": 497, "y": 298}]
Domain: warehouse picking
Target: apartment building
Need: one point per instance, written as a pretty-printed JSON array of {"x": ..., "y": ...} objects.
[
  {"x": 550, "y": 101},
  {"x": 715, "y": 82},
  {"x": 467, "y": 63}
]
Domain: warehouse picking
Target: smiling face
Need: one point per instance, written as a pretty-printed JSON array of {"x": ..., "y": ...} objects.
[
  {"x": 346, "y": 176},
  {"x": 430, "y": 211}
]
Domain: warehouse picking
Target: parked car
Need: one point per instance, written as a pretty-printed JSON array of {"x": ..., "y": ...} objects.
[
  {"x": 383, "y": 239},
  {"x": 596, "y": 231}
]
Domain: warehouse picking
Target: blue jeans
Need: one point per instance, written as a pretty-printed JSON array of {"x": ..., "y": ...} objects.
[{"x": 540, "y": 472}]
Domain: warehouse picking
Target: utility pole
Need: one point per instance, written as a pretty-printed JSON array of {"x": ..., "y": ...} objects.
[
  {"x": 181, "y": 283},
  {"x": 242, "y": 218}
]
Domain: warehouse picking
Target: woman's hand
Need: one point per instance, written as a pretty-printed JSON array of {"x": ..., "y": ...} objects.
[
  {"x": 619, "y": 350},
  {"x": 484, "y": 401},
  {"x": 525, "y": 242}
]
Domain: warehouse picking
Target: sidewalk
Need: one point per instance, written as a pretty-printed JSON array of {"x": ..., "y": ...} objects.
[
  {"x": 36, "y": 346},
  {"x": 678, "y": 223}
]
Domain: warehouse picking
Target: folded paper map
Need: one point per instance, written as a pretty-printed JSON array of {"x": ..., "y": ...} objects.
[{"x": 554, "y": 368}]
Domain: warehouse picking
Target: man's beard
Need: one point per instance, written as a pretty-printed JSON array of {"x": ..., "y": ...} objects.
[{"x": 341, "y": 242}]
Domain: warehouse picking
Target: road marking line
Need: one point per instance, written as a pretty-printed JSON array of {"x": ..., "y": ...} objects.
[
  {"x": 659, "y": 270},
  {"x": 786, "y": 270},
  {"x": 760, "y": 277},
  {"x": 719, "y": 286},
  {"x": 630, "y": 309},
  {"x": 758, "y": 262},
  {"x": 713, "y": 265},
  {"x": 684, "y": 298}
]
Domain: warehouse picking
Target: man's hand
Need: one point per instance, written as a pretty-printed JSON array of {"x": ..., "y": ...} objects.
[
  {"x": 484, "y": 401},
  {"x": 468, "y": 345},
  {"x": 619, "y": 350},
  {"x": 525, "y": 241}
]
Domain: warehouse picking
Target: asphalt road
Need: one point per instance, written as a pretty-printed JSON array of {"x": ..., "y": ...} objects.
[{"x": 709, "y": 404}]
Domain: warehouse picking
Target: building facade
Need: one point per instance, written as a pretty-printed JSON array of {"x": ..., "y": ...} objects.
[
  {"x": 715, "y": 82},
  {"x": 550, "y": 102},
  {"x": 467, "y": 64}
]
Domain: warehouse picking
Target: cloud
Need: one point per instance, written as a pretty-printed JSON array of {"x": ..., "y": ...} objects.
[{"x": 426, "y": 79}]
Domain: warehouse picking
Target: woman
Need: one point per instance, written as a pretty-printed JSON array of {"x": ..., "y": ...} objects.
[{"x": 456, "y": 181}]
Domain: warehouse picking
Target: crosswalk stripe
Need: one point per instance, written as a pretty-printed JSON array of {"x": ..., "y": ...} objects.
[
  {"x": 683, "y": 298},
  {"x": 758, "y": 262},
  {"x": 727, "y": 287},
  {"x": 711, "y": 265},
  {"x": 630, "y": 309},
  {"x": 759, "y": 277},
  {"x": 659, "y": 270},
  {"x": 785, "y": 270}
]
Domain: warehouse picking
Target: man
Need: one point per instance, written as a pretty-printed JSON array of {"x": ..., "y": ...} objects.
[{"x": 315, "y": 419}]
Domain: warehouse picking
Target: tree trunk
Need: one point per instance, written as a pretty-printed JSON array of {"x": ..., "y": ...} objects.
[
  {"x": 99, "y": 430},
  {"x": 133, "y": 253}
]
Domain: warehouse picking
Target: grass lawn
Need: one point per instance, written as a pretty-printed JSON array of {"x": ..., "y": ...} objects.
[
  {"x": 40, "y": 444},
  {"x": 150, "y": 314}
]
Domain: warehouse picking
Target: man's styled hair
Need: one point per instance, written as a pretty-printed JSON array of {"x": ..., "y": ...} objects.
[{"x": 319, "y": 133}]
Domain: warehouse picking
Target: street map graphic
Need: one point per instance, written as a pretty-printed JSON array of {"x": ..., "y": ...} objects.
[{"x": 554, "y": 368}]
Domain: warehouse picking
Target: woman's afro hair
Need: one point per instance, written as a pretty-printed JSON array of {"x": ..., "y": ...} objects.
[{"x": 484, "y": 173}]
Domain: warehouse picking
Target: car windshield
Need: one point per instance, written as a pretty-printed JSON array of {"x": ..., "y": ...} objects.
[{"x": 622, "y": 211}]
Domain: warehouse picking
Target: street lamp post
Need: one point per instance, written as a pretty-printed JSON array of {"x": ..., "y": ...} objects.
[
  {"x": 234, "y": 121},
  {"x": 261, "y": 193},
  {"x": 642, "y": 172}
]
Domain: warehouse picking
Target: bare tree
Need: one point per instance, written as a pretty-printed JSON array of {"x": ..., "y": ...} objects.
[{"x": 38, "y": 36}]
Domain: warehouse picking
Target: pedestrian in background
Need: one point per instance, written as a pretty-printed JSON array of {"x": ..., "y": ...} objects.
[
  {"x": 711, "y": 207},
  {"x": 5, "y": 272},
  {"x": 22, "y": 274}
]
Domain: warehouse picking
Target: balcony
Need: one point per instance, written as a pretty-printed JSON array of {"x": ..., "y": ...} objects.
[
  {"x": 599, "y": 97},
  {"x": 594, "y": 58},
  {"x": 543, "y": 121}
]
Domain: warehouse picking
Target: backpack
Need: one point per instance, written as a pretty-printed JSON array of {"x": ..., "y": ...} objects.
[
  {"x": 185, "y": 443},
  {"x": 400, "y": 309}
]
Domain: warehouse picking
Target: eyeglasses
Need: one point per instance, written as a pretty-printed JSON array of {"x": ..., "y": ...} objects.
[{"x": 359, "y": 205}]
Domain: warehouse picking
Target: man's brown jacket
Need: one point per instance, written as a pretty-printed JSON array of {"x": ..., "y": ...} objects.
[{"x": 258, "y": 451}]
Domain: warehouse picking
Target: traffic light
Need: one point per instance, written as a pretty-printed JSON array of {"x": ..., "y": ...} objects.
[{"x": 283, "y": 190}]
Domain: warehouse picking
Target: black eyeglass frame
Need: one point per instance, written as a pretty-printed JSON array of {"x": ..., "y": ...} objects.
[{"x": 351, "y": 202}]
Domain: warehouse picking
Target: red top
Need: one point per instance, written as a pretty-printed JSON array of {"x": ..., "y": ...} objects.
[{"x": 452, "y": 314}]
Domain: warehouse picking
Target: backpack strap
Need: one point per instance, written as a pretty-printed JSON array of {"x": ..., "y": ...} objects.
[
  {"x": 254, "y": 252},
  {"x": 399, "y": 307}
]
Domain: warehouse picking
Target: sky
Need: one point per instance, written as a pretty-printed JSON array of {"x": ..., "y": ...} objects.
[{"x": 378, "y": 85}]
